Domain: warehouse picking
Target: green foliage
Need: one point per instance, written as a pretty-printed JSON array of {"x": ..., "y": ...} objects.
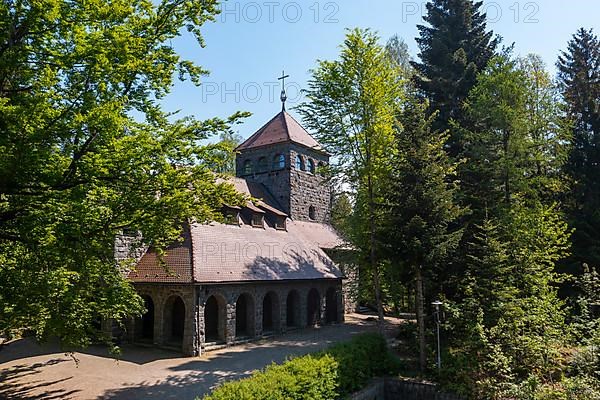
[
  {"x": 579, "y": 82},
  {"x": 454, "y": 47},
  {"x": 341, "y": 214},
  {"x": 420, "y": 195},
  {"x": 351, "y": 106},
  {"x": 363, "y": 358},
  {"x": 86, "y": 151},
  {"x": 307, "y": 377},
  {"x": 333, "y": 373},
  {"x": 510, "y": 323}
]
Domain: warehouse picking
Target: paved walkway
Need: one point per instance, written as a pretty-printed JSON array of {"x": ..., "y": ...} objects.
[{"x": 30, "y": 371}]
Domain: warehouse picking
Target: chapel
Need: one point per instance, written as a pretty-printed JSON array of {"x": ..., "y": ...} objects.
[{"x": 269, "y": 268}]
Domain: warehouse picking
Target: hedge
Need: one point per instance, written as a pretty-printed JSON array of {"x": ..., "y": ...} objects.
[{"x": 330, "y": 374}]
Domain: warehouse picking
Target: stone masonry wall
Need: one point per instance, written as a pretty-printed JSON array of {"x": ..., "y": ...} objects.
[
  {"x": 160, "y": 295},
  {"x": 294, "y": 189},
  {"x": 195, "y": 297}
]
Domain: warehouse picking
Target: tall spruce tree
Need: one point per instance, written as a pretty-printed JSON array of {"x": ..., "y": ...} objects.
[
  {"x": 421, "y": 204},
  {"x": 579, "y": 81},
  {"x": 454, "y": 47}
]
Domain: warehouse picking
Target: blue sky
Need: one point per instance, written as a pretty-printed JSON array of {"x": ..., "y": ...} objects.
[{"x": 251, "y": 42}]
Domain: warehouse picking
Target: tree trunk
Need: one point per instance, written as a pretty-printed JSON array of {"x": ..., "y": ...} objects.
[
  {"x": 373, "y": 259},
  {"x": 420, "y": 308}
]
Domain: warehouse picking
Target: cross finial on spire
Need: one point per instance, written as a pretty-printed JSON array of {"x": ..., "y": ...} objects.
[{"x": 283, "y": 94}]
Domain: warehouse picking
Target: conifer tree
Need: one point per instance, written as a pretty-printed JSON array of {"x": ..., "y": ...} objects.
[
  {"x": 421, "y": 205},
  {"x": 579, "y": 80},
  {"x": 454, "y": 47}
]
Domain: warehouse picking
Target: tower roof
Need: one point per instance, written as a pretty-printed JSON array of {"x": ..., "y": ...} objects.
[{"x": 281, "y": 129}]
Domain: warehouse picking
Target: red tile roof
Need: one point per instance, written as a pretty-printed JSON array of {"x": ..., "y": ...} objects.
[
  {"x": 282, "y": 128},
  {"x": 174, "y": 267}
]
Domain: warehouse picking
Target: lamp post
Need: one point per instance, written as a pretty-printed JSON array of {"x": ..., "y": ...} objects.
[{"x": 437, "y": 305}]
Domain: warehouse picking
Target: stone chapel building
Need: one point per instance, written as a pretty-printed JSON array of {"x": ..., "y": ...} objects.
[{"x": 266, "y": 271}]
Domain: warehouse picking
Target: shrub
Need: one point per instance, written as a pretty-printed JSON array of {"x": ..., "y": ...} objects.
[
  {"x": 305, "y": 377},
  {"x": 330, "y": 374},
  {"x": 364, "y": 357}
]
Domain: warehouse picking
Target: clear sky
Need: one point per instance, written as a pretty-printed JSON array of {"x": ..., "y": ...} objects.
[{"x": 253, "y": 41}]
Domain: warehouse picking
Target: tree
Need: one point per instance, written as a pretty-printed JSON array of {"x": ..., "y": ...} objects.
[
  {"x": 397, "y": 49},
  {"x": 224, "y": 151},
  {"x": 341, "y": 213},
  {"x": 87, "y": 152},
  {"x": 517, "y": 144},
  {"x": 454, "y": 48},
  {"x": 351, "y": 106},
  {"x": 419, "y": 231},
  {"x": 579, "y": 82}
]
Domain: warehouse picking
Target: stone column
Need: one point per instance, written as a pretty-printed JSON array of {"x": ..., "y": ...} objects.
[
  {"x": 303, "y": 304},
  {"x": 282, "y": 311},
  {"x": 189, "y": 326},
  {"x": 340, "y": 304},
  {"x": 158, "y": 321},
  {"x": 323, "y": 307},
  {"x": 230, "y": 323},
  {"x": 258, "y": 314}
]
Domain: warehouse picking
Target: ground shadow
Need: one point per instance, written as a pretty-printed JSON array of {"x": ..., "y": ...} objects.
[
  {"x": 29, "y": 347},
  {"x": 12, "y": 388},
  {"x": 201, "y": 375}
]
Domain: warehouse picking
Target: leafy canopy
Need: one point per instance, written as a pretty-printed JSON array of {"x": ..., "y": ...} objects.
[{"x": 86, "y": 152}]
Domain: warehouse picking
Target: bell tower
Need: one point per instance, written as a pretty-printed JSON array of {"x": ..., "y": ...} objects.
[{"x": 288, "y": 161}]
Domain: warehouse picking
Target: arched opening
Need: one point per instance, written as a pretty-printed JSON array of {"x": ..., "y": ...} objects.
[
  {"x": 293, "y": 309},
  {"x": 244, "y": 316},
  {"x": 278, "y": 162},
  {"x": 247, "y": 167},
  {"x": 214, "y": 320},
  {"x": 174, "y": 320},
  {"x": 312, "y": 212},
  {"x": 311, "y": 166},
  {"x": 299, "y": 163},
  {"x": 313, "y": 307},
  {"x": 144, "y": 325},
  {"x": 331, "y": 306},
  {"x": 271, "y": 314}
]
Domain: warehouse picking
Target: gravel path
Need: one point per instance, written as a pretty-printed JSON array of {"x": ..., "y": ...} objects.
[{"x": 30, "y": 371}]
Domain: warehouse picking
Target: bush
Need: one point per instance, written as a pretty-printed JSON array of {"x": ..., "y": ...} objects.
[
  {"x": 305, "y": 377},
  {"x": 363, "y": 358},
  {"x": 330, "y": 374}
]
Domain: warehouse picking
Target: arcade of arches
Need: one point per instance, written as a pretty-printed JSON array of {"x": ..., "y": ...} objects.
[{"x": 195, "y": 317}]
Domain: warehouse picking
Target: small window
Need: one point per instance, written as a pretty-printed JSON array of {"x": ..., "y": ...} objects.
[
  {"x": 257, "y": 220},
  {"x": 311, "y": 166},
  {"x": 247, "y": 167},
  {"x": 312, "y": 213},
  {"x": 278, "y": 162},
  {"x": 280, "y": 223},
  {"x": 232, "y": 217},
  {"x": 299, "y": 163},
  {"x": 262, "y": 164}
]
